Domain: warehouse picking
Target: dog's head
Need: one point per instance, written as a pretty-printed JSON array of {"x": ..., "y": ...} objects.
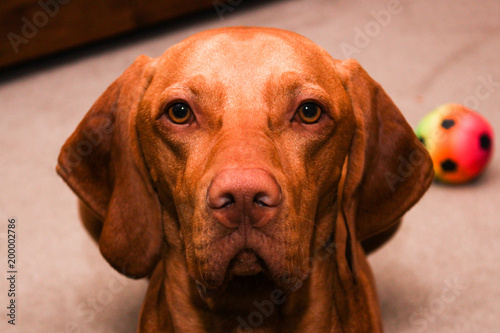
[{"x": 240, "y": 148}]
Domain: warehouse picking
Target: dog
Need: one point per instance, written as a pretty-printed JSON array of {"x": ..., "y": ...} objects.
[{"x": 247, "y": 174}]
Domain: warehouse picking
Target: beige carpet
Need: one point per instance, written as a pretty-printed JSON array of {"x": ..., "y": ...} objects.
[{"x": 440, "y": 274}]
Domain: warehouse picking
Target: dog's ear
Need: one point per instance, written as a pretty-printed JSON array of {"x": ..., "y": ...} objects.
[
  {"x": 102, "y": 163},
  {"x": 387, "y": 169}
]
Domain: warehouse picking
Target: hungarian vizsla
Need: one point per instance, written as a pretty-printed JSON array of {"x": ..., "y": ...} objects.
[{"x": 247, "y": 174}]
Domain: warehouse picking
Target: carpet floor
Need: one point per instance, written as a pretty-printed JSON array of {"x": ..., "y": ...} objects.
[{"x": 424, "y": 54}]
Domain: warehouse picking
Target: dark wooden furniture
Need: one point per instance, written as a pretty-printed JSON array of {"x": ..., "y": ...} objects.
[{"x": 31, "y": 29}]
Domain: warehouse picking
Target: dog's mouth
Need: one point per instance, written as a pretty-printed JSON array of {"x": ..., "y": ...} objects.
[
  {"x": 245, "y": 263},
  {"x": 238, "y": 258}
]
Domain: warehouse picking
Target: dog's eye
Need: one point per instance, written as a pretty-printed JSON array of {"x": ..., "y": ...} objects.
[
  {"x": 309, "y": 112},
  {"x": 179, "y": 113}
]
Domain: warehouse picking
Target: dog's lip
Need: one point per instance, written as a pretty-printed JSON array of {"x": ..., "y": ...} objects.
[{"x": 246, "y": 262}]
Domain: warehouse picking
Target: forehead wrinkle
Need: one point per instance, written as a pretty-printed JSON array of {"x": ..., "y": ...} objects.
[
  {"x": 294, "y": 85},
  {"x": 200, "y": 86},
  {"x": 196, "y": 87}
]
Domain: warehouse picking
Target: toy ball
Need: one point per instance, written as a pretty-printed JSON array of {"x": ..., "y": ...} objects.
[{"x": 459, "y": 140}]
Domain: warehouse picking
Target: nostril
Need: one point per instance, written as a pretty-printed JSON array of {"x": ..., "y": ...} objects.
[
  {"x": 227, "y": 200},
  {"x": 261, "y": 202},
  {"x": 223, "y": 201},
  {"x": 264, "y": 199}
]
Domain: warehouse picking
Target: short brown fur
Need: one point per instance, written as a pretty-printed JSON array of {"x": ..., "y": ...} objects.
[{"x": 343, "y": 182}]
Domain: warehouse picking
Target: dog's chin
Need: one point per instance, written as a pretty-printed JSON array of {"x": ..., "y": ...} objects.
[{"x": 246, "y": 263}]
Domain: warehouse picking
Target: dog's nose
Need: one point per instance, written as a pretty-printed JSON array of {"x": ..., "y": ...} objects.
[{"x": 244, "y": 195}]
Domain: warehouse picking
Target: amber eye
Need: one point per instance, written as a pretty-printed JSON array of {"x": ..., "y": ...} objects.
[
  {"x": 179, "y": 113},
  {"x": 309, "y": 112}
]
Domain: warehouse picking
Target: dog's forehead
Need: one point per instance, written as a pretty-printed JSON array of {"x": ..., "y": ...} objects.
[{"x": 243, "y": 55}]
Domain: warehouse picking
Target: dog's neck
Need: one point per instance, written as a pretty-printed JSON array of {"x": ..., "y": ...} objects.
[{"x": 328, "y": 301}]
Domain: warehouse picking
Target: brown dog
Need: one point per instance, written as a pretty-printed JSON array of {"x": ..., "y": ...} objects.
[{"x": 241, "y": 171}]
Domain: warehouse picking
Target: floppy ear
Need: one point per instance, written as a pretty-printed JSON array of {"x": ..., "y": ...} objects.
[
  {"x": 102, "y": 163},
  {"x": 387, "y": 169}
]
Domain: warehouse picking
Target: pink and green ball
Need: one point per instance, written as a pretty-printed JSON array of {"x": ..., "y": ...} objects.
[{"x": 459, "y": 140}]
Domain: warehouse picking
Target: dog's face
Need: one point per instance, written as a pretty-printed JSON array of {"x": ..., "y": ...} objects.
[
  {"x": 240, "y": 149},
  {"x": 246, "y": 135}
]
